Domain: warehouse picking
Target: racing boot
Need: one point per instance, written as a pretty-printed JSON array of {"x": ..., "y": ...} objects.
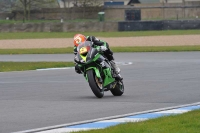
[
  {"x": 119, "y": 77},
  {"x": 116, "y": 69}
]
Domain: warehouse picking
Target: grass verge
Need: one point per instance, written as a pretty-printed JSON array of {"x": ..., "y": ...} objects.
[
  {"x": 114, "y": 49},
  {"x": 38, "y": 35},
  {"x": 44, "y": 21},
  {"x": 184, "y": 123},
  {"x": 22, "y": 66},
  {"x": 156, "y": 48},
  {"x": 38, "y": 51}
]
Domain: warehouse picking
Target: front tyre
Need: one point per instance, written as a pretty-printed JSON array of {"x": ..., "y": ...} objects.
[
  {"x": 119, "y": 89},
  {"x": 97, "y": 88}
]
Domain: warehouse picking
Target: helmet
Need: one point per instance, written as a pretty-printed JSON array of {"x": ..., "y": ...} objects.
[{"x": 79, "y": 38}]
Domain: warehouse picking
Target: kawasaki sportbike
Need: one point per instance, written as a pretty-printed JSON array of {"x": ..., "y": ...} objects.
[{"x": 97, "y": 70}]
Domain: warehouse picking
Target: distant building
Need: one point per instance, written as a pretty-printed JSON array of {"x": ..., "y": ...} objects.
[
  {"x": 131, "y": 1},
  {"x": 165, "y": 1},
  {"x": 67, "y": 3},
  {"x": 177, "y": 1},
  {"x": 117, "y": 1},
  {"x": 149, "y": 1},
  {"x": 70, "y": 3}
]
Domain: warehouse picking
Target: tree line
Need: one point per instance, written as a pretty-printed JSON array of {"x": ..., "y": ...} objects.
[{"x": 27, "y": 5}]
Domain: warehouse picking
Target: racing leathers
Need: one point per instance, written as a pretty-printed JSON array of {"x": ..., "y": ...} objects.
[{"x": 104, "y": 47}]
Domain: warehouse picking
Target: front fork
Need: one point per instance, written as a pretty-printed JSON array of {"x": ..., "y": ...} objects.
[{"x": 97, "y": 73}]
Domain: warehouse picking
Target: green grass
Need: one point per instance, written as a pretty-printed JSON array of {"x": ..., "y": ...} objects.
[
  {"x": 27, "y": 21},
  {"x": 114, "y": 49},
  {"x": 184, "y": 123},
  {"x": 156, "y": 48},
  {"x": 37, "y": 51},
  {"x": 37, "y": 35},
  {"x": 45, "y": 21},
  {"x": 22, "y": 66}
]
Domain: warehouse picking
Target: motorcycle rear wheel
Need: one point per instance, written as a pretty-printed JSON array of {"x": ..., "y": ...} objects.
[{"x": 96, "y": 87}]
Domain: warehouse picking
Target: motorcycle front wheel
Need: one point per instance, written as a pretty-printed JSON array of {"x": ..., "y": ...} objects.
[{"x": 95, "y": 85}]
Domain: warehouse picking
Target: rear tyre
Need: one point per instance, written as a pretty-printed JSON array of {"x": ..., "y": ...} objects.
[
  {"x": 119, "y": 89},
  {"x": 95, "y": 85}
]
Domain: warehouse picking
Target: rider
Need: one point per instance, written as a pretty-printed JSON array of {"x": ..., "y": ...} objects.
[{"x": 104, "y": 47}]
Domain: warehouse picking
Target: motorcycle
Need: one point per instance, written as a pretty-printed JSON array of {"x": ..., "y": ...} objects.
[{"x": 100, "y": 78}]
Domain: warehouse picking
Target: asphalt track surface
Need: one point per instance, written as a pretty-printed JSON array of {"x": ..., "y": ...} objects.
[{"x": 35, "y": 99}]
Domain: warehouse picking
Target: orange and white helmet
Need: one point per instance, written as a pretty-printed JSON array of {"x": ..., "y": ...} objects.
[{"x": 79, "y": 38}]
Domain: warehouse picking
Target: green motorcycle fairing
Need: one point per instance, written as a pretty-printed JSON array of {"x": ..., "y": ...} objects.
[{"x": 88, "y": 60}]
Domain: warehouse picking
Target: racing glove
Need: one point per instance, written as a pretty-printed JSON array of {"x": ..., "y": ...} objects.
[
  {"x": 77, "y": 69},
  {"x": 102, "y": 48}
]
